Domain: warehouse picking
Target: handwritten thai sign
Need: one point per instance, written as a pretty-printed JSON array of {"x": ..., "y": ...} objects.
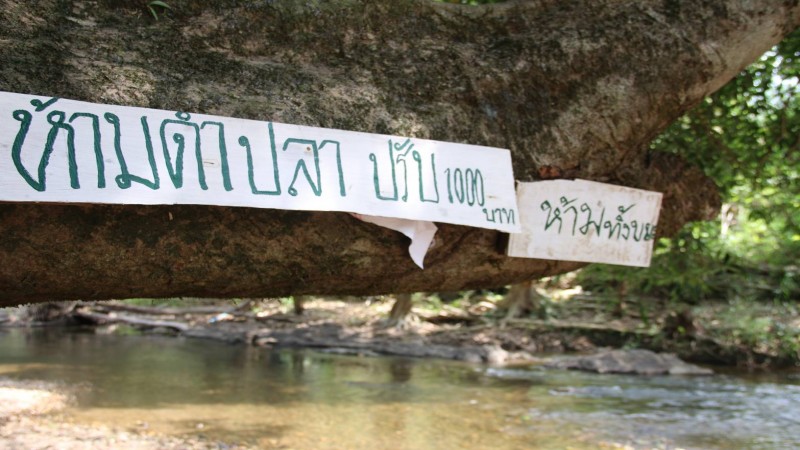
[
  {"x": 586, "y": 221},
  {"x": 56, "y": 150}
]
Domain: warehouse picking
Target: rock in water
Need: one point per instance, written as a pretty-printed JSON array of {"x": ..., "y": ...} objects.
[{"x": 639, "y": 362}]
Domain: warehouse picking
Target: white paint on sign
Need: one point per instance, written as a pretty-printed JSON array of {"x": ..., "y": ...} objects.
[
  {"x": 56, "y": 150},
  {"x": 586, "y": 221}
]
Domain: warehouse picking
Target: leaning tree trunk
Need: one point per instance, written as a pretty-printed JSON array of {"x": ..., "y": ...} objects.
[
  {"x": 400, "y": 310},
  {"x": 298, "y": 303},
  {"x": 575, "y": 88}
]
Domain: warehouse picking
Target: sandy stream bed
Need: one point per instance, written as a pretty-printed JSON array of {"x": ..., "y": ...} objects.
[{"x": 31, "y": 418}]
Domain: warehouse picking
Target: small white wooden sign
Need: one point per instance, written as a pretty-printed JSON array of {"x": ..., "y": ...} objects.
[
  {"x": 586, "y": 221},
  {"x": 57, "y": 150}
]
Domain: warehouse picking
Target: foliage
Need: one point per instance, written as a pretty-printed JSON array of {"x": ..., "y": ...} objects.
[
  {"x": 151, "y": 6},
  {"x": 471, "y": 2},
  {"x": 747, "y": 138},
  {"x": 764, "y": 330}
]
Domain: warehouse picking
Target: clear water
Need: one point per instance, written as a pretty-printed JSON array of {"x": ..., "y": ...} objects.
[{"x": 309, "y": 400}]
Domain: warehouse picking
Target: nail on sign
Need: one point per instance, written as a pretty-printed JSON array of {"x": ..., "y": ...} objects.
[{"x": 56, "y": 150}]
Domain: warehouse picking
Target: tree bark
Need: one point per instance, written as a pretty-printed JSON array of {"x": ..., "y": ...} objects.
[{"x": 575, "y": 88}]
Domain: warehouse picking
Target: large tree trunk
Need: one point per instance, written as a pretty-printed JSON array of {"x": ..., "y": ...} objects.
[{"x": 575, "y": 88}]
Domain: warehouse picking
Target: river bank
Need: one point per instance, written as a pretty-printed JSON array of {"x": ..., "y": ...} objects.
[{"x": 475, "y": 329}]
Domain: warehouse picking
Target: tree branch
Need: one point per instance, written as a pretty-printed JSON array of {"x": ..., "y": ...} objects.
[{"x": 574, "y": 87}]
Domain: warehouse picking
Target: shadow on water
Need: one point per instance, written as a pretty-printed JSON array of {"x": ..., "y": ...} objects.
[{"x": 307, "y": 399}]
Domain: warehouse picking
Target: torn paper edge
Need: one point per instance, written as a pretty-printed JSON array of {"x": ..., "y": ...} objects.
[{"x": 419, "y": 231}]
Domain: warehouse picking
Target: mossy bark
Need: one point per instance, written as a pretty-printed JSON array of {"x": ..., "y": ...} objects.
[{"x": 575, "y": 88}]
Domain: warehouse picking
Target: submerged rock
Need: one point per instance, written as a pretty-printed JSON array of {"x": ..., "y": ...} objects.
[{"x": 639, "y": 362}]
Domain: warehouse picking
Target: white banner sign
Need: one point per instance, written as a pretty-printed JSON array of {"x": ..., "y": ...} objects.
[
  {"x": 56, "y": 150},
  {"x": 586, "y": 221}
]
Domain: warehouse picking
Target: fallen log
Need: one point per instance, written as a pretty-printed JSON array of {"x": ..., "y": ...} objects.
[
  {"x": 170, "y": 311},
  {"x": 100, "y": 318},
  {"x": 578, "y": 326},
  {"x": 331, "y": 337}
]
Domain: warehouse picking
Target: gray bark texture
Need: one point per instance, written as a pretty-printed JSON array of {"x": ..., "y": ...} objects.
[{"x": 575, "y": 88}]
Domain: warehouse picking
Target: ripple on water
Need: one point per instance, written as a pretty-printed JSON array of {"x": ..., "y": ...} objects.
[{"x": 721, "y": 411}]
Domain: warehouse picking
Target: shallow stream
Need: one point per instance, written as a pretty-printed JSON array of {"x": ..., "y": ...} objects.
[{"x": 303, "y": 399}]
